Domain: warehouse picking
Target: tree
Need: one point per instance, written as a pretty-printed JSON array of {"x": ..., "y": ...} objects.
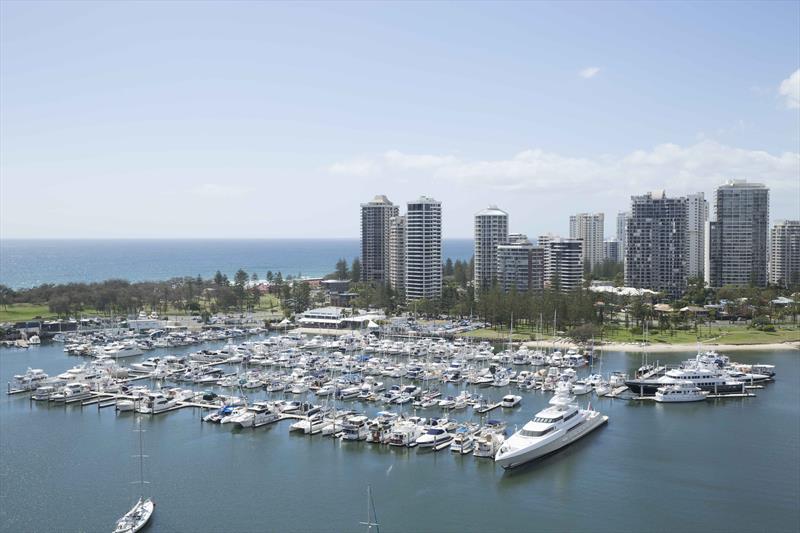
[
  {"x": 341, "y": 269},
  {"x": 220, "y": 279},
  {"x": 240, "y": 286},
  {"x": 269, "y": 276},
  {"x": 301, "y": 294},
  {"x": 448, "y": 269},
  {"x": 355, "y": 270},
  {"x": 6, "y": 296}
]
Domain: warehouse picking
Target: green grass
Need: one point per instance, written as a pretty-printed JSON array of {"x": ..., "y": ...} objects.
[
  {"x": 23, "y": 311},
  {"x": 738, "y": 334},
  {"x": 716, "y": 334},
  {"x": 521, "y": 333}
]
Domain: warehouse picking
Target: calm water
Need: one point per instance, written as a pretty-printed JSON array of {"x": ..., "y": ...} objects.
[
  {"x": 719, "y": 466},
  {"x": 26, "y": 263}
]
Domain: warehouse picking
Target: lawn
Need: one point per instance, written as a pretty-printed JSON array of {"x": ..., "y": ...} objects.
[
  {"x": 23, "y": 311},
  {"x": 738, "y": 334}
]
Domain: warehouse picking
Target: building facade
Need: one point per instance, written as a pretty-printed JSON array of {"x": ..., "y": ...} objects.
[
  {"x": 397, "y": 255},
  {"x": 622, "y": 231},
  {"x": 697, "y": 213},
  {"x": 375, "y": 216},
  {"x": 784, "y": 253},
  {"x": 520, "y": 265},
  {"x": 611, "y": 250},
  {"x": 588, "y": 227},
  {"x": 737, "y": 239},
  {"x": 657, "y": 244},
  {"x": 424, "y": 249},
  {"x": 491, "y": 230},
  {"x": 563, "y": 262}
]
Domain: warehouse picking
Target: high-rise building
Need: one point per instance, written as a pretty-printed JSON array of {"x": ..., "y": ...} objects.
[
  {"x": 611, "y": 250},
  {"x": 520, "y": 265},
  {"x": 588, "y": 227},
  {"x": 397, "y": 255},
  {"x": 622, "y": 231},
  {"x": 424, "y": 249},
  {"x": 657, "y": 244},
  {"x": 563, "y": 262},
  {"x": 491, "y": 229},
  {"x": 695, "y": 230},
  {"x": 737, "y": 239},
  {"x": 784, "y": 253},
  {"x": 375, "y": 216}
]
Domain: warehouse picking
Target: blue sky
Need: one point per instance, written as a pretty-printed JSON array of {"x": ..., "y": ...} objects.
[{"x": 267, "y": 120}]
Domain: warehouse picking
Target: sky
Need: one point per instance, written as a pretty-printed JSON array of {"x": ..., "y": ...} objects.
[{"x": 267, "y": 119}]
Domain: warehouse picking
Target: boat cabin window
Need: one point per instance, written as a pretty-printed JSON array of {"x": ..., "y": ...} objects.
[
  {"x": 544, "y": 420},
  {"x": 533, "y": 433},
  {"x": 570, "y": 415}
]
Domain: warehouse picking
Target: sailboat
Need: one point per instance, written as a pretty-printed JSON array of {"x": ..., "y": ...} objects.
[
  {"x": 371, "y": 514},
  {"x": 140, "y": 514}
]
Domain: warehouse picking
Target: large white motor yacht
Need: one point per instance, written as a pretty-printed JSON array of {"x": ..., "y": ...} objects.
[
  {"x": 685, "y": 391},
  {"x": 559, "y": 425}
]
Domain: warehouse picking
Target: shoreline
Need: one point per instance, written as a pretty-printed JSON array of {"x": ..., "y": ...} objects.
[{"x": 670, "y": 348}]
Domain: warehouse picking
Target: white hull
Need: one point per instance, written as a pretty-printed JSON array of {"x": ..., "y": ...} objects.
[{"x": 592, "y": 422}]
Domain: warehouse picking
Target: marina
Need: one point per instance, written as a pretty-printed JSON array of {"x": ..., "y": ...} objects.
[{"x": 361, "y": 425}]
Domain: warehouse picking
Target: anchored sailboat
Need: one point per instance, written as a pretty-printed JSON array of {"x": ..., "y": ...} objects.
[
  {"x": 372, "y": 516},
  {"x": 140, "y": 514}
]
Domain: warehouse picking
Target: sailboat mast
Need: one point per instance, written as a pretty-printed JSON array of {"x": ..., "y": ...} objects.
[{"x": 141, "y": 460}]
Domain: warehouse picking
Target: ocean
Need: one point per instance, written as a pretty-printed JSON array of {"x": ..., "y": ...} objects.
[
  {"x": 27, "y": 263},
  {"x": 723, "y": 465}
]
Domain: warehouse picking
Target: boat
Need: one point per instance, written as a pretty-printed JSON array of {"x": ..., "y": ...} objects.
[
  {"x": 355, "y": 428},
  {"x": 30, "y": 380},
  {"x": 155, "y": 403},
  {"x": 433, "y": 437},
  {"x": 43, "y": 393},
  {"x": 72, "y": 392},
  {"x": 553, "y": 428},
  {"x": 140, "y": 513},
  {"x": 680, "y": 392},
  {"x": 708, "y": 379},
  {"x": 489, "y": 439},
  {"x": 405, "y": 433},
  {"x": 510, "y": 400},
  {"x": 463, "y": 442}
]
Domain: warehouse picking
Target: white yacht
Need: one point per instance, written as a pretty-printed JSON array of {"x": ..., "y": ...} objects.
[
  {"x": 463, "y": 442},
  {"x": 434, "y": 437},
  {"x": 355, "y": 428},
  {"x": 72, "y": 392},
  {"x": 137, "y": 517},
  {"x": 155, "y": 402},
  {"x": 120, "y": 349},
  {"x": 405, "y": 433},
  {"x": 510, "y": 400},
  {"x": 559, "y": 425},
  {"x": 43, "y": 393},
  {"x": 685, "y": 391}
]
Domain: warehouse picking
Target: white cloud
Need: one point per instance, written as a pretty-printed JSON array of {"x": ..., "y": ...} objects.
[
  {"x": 679, "y": 169},
  {"x": 589, "y": 72},
  {"x": 359, "y": 167},
  {"x": 790, "y": 90},
  {"x": 215, "y": 190}
]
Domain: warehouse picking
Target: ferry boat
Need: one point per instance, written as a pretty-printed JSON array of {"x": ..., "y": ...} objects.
[
  {"x": 680, "y": 392},
  {"x": 553, "y": 428}
]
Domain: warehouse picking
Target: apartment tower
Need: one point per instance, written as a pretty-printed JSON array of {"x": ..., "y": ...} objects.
[
  {"x": 491, "y": 230},
  {"x": 737, "y": 239},
  {"x": 424, "y": 249},
  {"x": 784, "y": 253},
  {"x": 657, "y": 244},
  {"x": 589, "y": 228},
  {"x": 375, "y": 217}
]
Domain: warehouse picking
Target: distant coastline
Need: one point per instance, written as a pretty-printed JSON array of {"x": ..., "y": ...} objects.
[
  {"x": 26, "y": 263},
  {"x": 672, "y": 348}
]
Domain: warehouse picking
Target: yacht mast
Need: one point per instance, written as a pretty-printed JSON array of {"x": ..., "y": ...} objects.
[{"x": 371, "y": 512}]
